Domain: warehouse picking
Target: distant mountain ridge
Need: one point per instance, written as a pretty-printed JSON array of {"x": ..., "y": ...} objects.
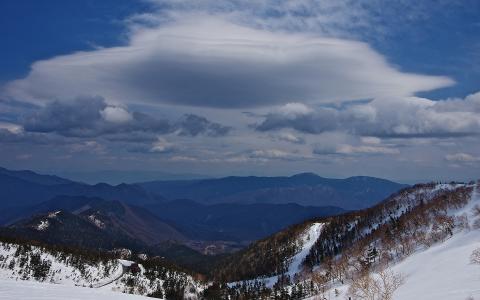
[
  {"x": 21, "y": 190},
  {"x": 234, "y": 221},
  {"x": 306, "y": 189},
  {"x": 215, "y": 216}
]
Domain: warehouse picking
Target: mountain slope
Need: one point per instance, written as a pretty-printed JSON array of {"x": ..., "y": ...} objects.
[
  {"x": 27, "y": 290},
  {"x": 392, "y": 221},
  {"x": 233, "y": 221},
  {"x": 103, "y": 272},
  {"x": 443, "y": 270},
  {"x": 64, "y": 228},
  {"x": 304, "y": 189},
  {"x": 93, "y": 222},
  {"x": 447, "y": 272},
  {"x": 33, "y": 177},
  {"x": 135, "y": 222}
]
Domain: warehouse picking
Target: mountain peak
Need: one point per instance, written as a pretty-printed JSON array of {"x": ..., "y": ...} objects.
[{"x": 305, "y": 175}]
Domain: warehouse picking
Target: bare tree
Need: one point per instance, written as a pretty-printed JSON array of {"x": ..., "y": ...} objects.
[
  {"x": 475, "y": 256},
  {"x": 364, "y": 287},
  {"x": 379, "y": 287},
  {"x": 388, "y": 283},
  {"x": 320, "y": 281}
]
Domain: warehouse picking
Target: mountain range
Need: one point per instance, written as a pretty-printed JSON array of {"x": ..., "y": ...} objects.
[
  {"x": 207, "y": 215},
  {"x": 305, "y": 189}
]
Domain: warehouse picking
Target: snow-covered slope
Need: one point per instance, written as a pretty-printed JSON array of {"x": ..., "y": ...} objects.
[
  {"x": 23, "y": 262},
  {"x": 28, "y": 290},
  {"x": 442, "y": 271},
  {"x": 31, "y": 263}
]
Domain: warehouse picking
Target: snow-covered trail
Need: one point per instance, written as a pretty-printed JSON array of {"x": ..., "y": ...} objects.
[
  {"x": 113, "y": 278},
  {"x": 307, "y": 240},
  {"x": 30, "y": 290}
]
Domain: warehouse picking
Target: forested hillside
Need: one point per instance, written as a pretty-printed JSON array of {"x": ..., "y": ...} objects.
[{"x": 353, "y": 245}]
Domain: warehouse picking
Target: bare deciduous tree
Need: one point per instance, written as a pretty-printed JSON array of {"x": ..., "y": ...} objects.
[
  {"x": 379, "y": 287},
  {"x": 475, "y": 256},
  {"x": 389, "y": 282},
  {"x": 320, "y": 281}
]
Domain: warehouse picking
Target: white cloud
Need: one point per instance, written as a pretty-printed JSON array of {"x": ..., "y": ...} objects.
[
  {"x": 349, "y": 149},
  {"x": 12, "y": 128},
  {"x": 290, "y": 137},
  {"x": 88, "y": 147},
  {"x": 270, "y": 153},
  {"x": 371, "y": 140},
  {"x": 461, "y": 157},
  {"x": 116, "y": 114},
  {"x": 223, "y": 65},
  {"x": 294, "y": 109},
  {"x": 386, "y": 117},
  {"x": 162, "y": 146}
]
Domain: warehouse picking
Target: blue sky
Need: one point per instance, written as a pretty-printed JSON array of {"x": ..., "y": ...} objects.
[{"x": 242, "y": 87}]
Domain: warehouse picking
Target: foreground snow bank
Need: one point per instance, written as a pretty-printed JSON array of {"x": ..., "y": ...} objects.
[
  {"x": 28, "y": 290},
  {"x": 443, "y": 271}
]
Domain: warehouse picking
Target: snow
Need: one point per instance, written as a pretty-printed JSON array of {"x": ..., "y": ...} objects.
[
  {"x": 115, "y": 275},
  {"x": 444, "y": 271},
  {"x": 53, "y": 214},
  {"x": 125, "y": 263},
  {"x": 28, "y": 290},
  {"x": 307, "y": 240},
  {"x": 96, "y": 221},
  {"x": 43, "y": 225},
  {"x": 109, "y": 276}
]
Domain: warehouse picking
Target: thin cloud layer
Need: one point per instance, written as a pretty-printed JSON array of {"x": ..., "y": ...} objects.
[{"x": 201, "y": 60}]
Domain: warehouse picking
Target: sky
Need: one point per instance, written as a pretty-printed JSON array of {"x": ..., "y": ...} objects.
[{"x": 336, "y": 87}]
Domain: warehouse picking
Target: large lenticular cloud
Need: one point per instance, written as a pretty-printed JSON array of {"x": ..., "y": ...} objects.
[{"x": 208, "y": 61}]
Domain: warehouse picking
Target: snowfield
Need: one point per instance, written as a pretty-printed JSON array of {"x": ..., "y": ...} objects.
[
  {"x": 443, "y": 271},
  {"x": 30, "y": 290}
]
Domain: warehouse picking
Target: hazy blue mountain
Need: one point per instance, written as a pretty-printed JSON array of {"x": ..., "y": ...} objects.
[
  {"x": 33, "y": 177},
  {"x": 233, "y": 221},
  {"x": 20, "y": 190},
  {"x": 116, "y": 177},
  {"x": 306, "y": 189}
]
